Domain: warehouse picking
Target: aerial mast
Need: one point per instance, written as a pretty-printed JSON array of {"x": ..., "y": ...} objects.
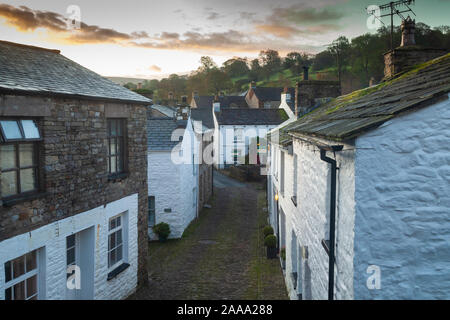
[{"x": 394, "y": 8}]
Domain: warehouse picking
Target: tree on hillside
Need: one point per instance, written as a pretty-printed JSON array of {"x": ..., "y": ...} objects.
[
  {"x": 255, "y": 70},
  {"x": 236, "y": 67},
  {"x": 340, "y": 48},
  {"x": 295, "y": 62},
  {"x": 218, "y": 81},
  {"x": 207, "y": 64},
  {"x": 270, "y": 62}
]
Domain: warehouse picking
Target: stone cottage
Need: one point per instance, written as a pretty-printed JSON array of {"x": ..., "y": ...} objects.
[
  {"x": 235, "y": 130},
  {"x": 359, "y": 191},
  {"x": 173, "y": 175},
  {"x": 73, "y": 187},
  {"x": 264, "y": 97}
]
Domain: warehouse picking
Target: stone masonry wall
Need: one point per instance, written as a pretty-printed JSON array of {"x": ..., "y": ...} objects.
[
  {"x": 74, "y": 168},
  {"x": 402, "y": 220}
]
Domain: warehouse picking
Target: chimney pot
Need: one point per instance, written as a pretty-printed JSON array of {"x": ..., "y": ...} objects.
[
  {"x": 408, "y": 31},
  {"x": 305, "y": 73}
]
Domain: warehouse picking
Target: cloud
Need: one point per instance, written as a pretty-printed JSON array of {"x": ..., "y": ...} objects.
[
  {"x": 155, "y": 68},
  {"x": 230, "y": 41},
  {"x": 25, "y": 19},
  {"x": 277, "y": 30},
  {"x": 287, "y": 22}
]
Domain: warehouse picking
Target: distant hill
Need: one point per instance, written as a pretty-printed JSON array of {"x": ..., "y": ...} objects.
[{"x": 123, "y": 80}]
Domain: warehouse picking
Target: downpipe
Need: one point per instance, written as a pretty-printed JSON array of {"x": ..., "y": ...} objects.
[{"x": 323, "y": 157}]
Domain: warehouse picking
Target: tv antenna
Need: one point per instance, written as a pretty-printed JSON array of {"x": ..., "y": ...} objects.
[{"x": 394, "y": 8}]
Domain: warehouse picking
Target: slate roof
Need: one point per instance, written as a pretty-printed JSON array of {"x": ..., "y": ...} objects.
[
  {"x": 39, "y": 71},
  {"x": 159, "y": 131},
  {"x": 203, "y": 115},
  {"x": 270, "y": 94},
  {"x": 349, "y": 116},
  {"x": 165, "y": 110},
  {"x": 251, "y": 116},
  {"x": 204, "y": 102}
]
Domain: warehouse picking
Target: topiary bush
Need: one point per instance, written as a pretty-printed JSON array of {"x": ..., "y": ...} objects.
[
  {"x": 270, "y": 241},
  {"x": 268, "y": 230},
  {"x": 162, "y": 230}
]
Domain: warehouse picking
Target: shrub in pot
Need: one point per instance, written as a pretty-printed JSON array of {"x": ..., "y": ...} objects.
[
  {"x": 268, "y": 230},
  {"x": 271, "y": 244},
  {"x": 162, "y": 230}
]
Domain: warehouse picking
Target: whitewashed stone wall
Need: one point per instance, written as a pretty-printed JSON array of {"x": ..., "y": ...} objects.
[
  {"x": 309, "y": 220},
  {"x": 172, "y": 183},
  {"x": 403, "y": 201},
  {"x": 224, "y": 140},
  {"x": 52, "y": 240}
]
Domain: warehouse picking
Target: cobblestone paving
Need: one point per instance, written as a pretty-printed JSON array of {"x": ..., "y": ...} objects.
[{"x": 221, "y": 255}]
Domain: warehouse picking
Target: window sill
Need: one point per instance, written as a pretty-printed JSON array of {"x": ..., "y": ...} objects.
[
  {"x": 23, "y": 198},
  {"x": 117, "y": 177},
  {"x": 294, "y": 200},
  {"x": 117, "y": 271}
]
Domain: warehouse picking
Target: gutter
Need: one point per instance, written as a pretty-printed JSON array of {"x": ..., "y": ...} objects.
[{"x": 332, "y": 241}]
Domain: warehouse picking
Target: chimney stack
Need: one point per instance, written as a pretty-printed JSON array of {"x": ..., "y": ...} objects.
[
  {"x": 195, "y": 94},
  {"x": 253, "y": 84},
  {"x": 408, "y": 31},
  {"x": 409, "y": 54},
  {"x": 139, "y": 85},
  {"x": 310, "y": 94}
]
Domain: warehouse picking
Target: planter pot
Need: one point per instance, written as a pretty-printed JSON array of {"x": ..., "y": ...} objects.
[{"x": 271, "y": 252}]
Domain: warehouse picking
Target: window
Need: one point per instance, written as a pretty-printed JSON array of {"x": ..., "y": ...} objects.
[
  {"x": 21, "y": 277},
  {"x": 18, "y": 158},
  {"x": 151, "y": 211},
  {"x": 294, "y": 185},
  {"x": 70, "y": 252},
  {"x": 115, "y": 242},
  {"x": 116, "y": 146},
  {"x": 238, "y": 134}
]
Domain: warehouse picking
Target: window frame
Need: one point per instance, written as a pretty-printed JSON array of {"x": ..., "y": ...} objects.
[
  {"x": 114, "y": 231},
  {"x": 23, "y": 277},
  {"x": 120, "y": 153},
  {"x": 36, "y": 143}
]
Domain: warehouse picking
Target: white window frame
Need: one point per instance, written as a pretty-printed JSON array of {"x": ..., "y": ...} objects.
[
  {"x": 238, "y": 134},
  {"x": 24, "y": 277},
  {"x": 123, "y": 243}
]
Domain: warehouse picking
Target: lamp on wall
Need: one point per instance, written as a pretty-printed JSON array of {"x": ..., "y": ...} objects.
[{"x": 276, "y": 197}]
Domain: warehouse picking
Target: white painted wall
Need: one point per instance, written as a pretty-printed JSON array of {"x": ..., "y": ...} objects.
[
  {"x": 52, "y": 239},
  {"x": 403, "y": 201},
  {"x": 172, "y": 183},
  {"x": 224, "y": 140},
  {"x": 309, "y": 220}
]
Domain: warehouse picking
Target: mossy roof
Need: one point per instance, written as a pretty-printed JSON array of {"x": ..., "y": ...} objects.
[{"x": 349, "y": 116}]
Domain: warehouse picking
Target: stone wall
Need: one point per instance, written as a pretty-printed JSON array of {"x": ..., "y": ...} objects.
[
  {"x": 307, "y": 223},
  {"x": 308, "y": 91},
  {"x": 74, "y": 168},
  {"x": 402, "y": 215}
]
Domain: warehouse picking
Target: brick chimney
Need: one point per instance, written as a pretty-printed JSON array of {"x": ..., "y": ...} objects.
[
  {"x": 403, "y": 58},
  {"x": 253, "y": 84},
  {"x": 139, "y": 85},
  {"x": 195, "y": 94}
]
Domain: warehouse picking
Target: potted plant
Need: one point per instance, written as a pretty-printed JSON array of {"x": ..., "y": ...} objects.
[
  {"x": 162, "y": 230},
  {"x": 271, "y": 244},
  {"x": 268, "y": 230},
  {"x": 283, "y": 257}
]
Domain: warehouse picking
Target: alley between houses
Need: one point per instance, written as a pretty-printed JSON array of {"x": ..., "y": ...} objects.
[{"x": 221, "y": 254}]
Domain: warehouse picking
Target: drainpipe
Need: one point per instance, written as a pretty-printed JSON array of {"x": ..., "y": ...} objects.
[{"x": 323, "y": 157}]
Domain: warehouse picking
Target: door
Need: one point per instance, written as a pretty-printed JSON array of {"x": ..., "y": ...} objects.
[{"x": 80, "y": 261}]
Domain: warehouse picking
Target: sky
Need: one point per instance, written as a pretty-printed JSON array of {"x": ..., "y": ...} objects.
[{"x": 152, "y": 39}]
